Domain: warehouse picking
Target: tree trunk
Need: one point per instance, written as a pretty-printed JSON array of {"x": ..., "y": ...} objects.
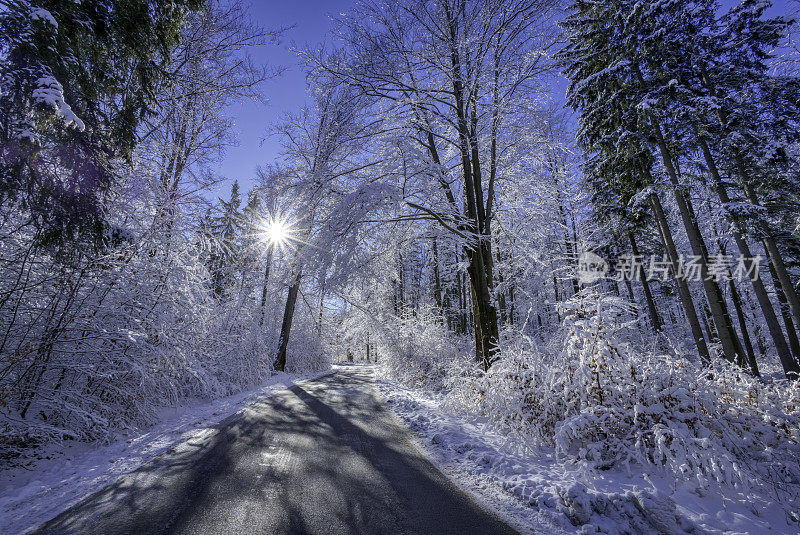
[
  {"x": 501, "y": 294},
  {"x": 776, "y": 259},
  {"x": 266, "y": 281},
  {"x": 555, "y": 298},
  {"x": 321, "y": 306},
  {"x": 785, "y": 313},
  {"x": 770, "y": 245},
  {"x": 476, "y": 326},
  {"x": 748, "y": 345},
  {"x": 286, "y": 326},
  {"x": 462, "y": 304},
  {"x": 511, "y": 305},
  {"x": 570, "y": 245},
  {"x": 479, "y": 256},
  {"x": 789, "y": 363},
  {"x": 683, "y": 287},
  {"x": 436, "y": 278},
  {"x": 731, "y": 346},
  {"x": 401, "y": 284},
  {"x": 652, "y": 311}
]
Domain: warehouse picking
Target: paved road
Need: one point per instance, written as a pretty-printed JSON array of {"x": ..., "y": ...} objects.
[{"x": 322, "y": 457}]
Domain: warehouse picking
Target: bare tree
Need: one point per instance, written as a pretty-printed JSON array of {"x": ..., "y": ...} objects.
[{"x": 451, "y": 74}]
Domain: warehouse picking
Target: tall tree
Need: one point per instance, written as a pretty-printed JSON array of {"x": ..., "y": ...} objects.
[
  {"x": 599, "y": 61},
  {"x": 452, "y": 72},
  {"x": 330, "y": 184}
]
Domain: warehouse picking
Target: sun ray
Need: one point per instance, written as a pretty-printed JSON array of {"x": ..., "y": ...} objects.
[{"x": 277, "y": 232}]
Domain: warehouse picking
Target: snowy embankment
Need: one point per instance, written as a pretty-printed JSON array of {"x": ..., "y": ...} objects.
[
  {"x": 43, "y": 488},
  {"x": 551, "y": 495}
]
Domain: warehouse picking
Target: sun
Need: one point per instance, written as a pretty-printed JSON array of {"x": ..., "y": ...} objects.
[{"x": 276, "y": 232}]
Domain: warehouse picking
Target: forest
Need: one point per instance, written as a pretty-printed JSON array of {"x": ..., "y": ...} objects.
[{"x": 576, "y": 220}]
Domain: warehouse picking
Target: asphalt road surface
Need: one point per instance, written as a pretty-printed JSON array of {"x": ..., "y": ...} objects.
[{"x": 322, "y": 457}]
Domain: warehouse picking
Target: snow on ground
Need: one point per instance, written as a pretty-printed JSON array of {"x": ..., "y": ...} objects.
[
  {"x": 34, "y": 494},
  {"x": 548, "y": 496}
]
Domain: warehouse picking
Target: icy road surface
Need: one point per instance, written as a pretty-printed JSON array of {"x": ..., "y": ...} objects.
[{"x": 321, "y": 457}]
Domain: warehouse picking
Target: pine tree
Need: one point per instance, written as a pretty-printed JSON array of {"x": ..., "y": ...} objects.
[
  {"x": 75, "y": 80},
  {"x": 672, "y": 67},
  {"x": 226, "y": 246},
  {"x": 599, "y": 63},
  {"x": 746, "y": 122},
  {"x": 696, "y": 87}
]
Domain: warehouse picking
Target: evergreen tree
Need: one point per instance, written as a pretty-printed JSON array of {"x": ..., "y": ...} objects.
[
  {"x": 226, "y": 242},
  {"x": 746, "y": 124},
  {"x": 599, "y": 62},
  {"x": 648, "y": 69},
  {"x": 709, "y": 91},
  {"x": 75, "y": 80}
]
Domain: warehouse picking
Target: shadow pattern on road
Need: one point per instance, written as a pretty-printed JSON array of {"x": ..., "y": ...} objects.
[{"x": 321, "y": 457}]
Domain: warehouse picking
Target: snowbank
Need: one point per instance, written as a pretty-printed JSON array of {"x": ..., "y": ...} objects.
[
  {"x": 43, "y": 488},
  {"x": 611, "y": 438},
  {"x": 550, "y": 495}
]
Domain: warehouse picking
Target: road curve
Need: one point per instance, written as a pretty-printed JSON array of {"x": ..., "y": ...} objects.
[{"x": 322, "y": 457}]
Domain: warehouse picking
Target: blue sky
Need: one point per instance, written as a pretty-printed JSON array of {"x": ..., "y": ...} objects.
[{"x": 286, "y": 93}]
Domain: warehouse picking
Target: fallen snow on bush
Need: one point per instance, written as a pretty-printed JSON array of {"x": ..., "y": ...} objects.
[
  {"x": 612, "y": 438},
  {"x": 42, "y": 488},
  {"x": 469, "y": 452},
  {"x": 554, "y": 495}
]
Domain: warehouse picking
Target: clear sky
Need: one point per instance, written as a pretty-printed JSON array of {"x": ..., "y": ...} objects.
[{"x": 286, "y": 93}]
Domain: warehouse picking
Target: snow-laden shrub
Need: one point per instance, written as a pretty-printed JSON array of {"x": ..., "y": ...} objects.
[
  {"x": 131, "y": 337},
  {"x": 601, "y": 402},
  {"x": 631, "y": 511},
  {"x": 420, "y": 352},
  {"x": 306, "y": 350},
  {"x": 111, "y": 340}
]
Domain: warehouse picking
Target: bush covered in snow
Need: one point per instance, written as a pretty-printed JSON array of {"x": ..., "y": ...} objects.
[
  {"x": 106, "y": 342},
  {"x": 594, "y": 399},
  {"x": 420, "y": 352},
  {"x": 602, "y": 402}
]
